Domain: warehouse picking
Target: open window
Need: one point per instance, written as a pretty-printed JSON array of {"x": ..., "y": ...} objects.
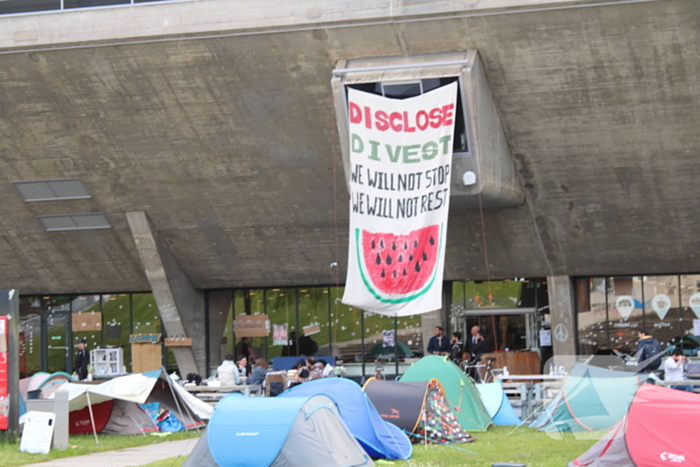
[{"x": 482, "y": 162}]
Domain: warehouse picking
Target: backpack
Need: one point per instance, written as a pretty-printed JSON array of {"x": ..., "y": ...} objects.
[{"x": 652, "y": 349}]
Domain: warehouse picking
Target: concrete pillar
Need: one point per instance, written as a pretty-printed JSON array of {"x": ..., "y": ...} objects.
[
  {"x": 181, "y": 306},
  {"x": 9, "y": 306},
  {"x": 561, "y": 309}
]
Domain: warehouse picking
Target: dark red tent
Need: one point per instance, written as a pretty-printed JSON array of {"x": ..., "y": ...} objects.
[{"x": 660, "y": 429}]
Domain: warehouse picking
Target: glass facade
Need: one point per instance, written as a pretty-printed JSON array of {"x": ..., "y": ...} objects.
[{"x": 610, "y": 311}]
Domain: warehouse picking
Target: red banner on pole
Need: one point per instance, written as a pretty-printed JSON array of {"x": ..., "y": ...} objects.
[{"x": 4, "y": 377}]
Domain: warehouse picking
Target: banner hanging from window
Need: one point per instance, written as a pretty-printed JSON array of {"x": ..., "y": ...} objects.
[{"x": 400, "y": 159}]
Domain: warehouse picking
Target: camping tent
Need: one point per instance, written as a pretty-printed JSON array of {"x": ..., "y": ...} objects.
[
  {"x": 497, "y": 404},
  {"x": 592, "y": 398},
  {"x": 419, "y": 407},
  {"x": 460, "y": 391},
  {"x": 278, "y": 432},
  {"x": 660, "y": 429},
  {"x": 379, "y": 438},
  {"x": 115, "y": 404}
]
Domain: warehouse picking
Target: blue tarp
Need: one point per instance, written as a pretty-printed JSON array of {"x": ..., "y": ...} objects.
[
  {"x": 379, "y": 438},
  {"x": 497, "y": 404}
]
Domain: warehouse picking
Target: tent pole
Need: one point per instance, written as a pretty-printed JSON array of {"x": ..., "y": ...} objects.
[
  {"x": 92, "y": 418},
  {"x": 177, "y": 402}
]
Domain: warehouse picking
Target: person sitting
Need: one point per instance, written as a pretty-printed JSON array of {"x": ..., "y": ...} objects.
[
  {"x": 229, "y": 373},
  {"x": 673, "y": 370},
  {"x": 259, "y": 372},
  {"x": 316, "y": 371},
  {"x": 328, "y": 369}
]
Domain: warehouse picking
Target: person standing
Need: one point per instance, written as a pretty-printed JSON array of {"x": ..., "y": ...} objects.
[
  {"x": 457, "y": 348},
  {"x": 650, "y": 353},
  {"x": 81, "y": 360},
  {"x": 439, "y": 344}
]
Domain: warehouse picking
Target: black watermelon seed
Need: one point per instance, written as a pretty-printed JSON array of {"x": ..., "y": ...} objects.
[
  {"x": 405, "y": 246},
  {"x": 400, "y": 258},
  {"x": 404, "y": 271},
  {"x": 381, "y": 243},
  {"x": 425, "y": 256},
  {"x": 431, "y": 241},
  {"x": 374, "y": 245},
  {"x": 410, "y": 257},
  {"x": 393, "y": 246},
  {"x": 379, "y": 259},
  {"x": 394, "y": 274},
  {"x": 388, "y": 259},
  {"x": 415, "y": 243},
  {"x": 383, "y": 274},
  {"x": 417, "y": 266}
]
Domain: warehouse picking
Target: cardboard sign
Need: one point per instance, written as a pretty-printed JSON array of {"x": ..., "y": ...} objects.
[
  {"x": 312, "y": 329},
  {"x": 91, "y": 321},
  {"x": 178, "y": 342},
  {"x": 38, "y": 431},
  {"x": 145, "y": 338},
  {"x": 251, "y": 326}
]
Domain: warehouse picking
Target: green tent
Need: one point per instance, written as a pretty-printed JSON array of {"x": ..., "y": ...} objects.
[
  {"x": 461, "y": 394},
  {"x": 592, "y": 398}
]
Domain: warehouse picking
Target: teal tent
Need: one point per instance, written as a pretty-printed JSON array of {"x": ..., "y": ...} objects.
[
  {"x": 592, "y": 398},
  {"x": 461, "y": 394},
  {"x": 497, "y": 404}
]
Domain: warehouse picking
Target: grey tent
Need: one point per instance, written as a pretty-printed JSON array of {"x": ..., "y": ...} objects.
[{"x": 277, "y": 432}]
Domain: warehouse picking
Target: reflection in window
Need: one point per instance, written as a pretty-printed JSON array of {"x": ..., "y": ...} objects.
[
  {"x": 85, "y": 304},
  {"x": 347, "y": 331},
  {"x": 592, "y": 315},
  {"x": 116, "y": 323},
  {"x": 313, "y": 321},
  {"x": 249, "y": 302},
  {"x": 661, "y": 308},
  {"x": 494, "y": 294},
  {"x": 282, "y": 312},
  {"x": 29, "y": 336},
  {"x": 625, "y": 315}
]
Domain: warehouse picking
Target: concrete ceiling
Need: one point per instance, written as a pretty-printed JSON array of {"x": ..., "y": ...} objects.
[{"x": 230, "y": 145}]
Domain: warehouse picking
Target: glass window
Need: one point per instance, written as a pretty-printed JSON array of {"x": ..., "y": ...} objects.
[
  {"x": 87, "y": 304},
  {"x": 346, "y": 328},
  {"x": 220, "y": 332},
  {"x": 59, "y": 349},
  {"x": 313, "y": 321},
  {"x": 249, "y": 302},
  {"x": 494, "y": 294},
  {"x": 592, "y": 317},
  {"x": 625, "y": 314},
  {"x": 661, "y": 308},
  {"x": 145, "y": 317},
  {"x": 282, "y": 313},
  {"x": 690, "y": 310},
  {"x": 116, "y": 324},
  {"x": 29, "y": 336}
]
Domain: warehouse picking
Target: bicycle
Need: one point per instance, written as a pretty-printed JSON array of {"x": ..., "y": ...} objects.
[{"x": 472, "y": 369}]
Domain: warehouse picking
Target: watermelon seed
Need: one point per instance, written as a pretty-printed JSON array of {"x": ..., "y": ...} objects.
[
  {"x": 431, "y": 241},
  {"x": 400, "y": 258},
  {"x": 374, "y": 245},
  {"x": 425, "y": 256},
  {"x": 417, "y": 266},
  {"x": 388, "y": 259},
  {"x": 382, "y": 274},
  {"x": 393, "y": 246},
  {"x": 404, "y": 271},
  {"x": 405, "y": 246},
  {"x": 379, "y": 259},
  {"x": 394, "y": 274},
  {"x": 415, "y": 243},
  {"x": 410, "y": 257},
  {"x": 381, "y": 243}
]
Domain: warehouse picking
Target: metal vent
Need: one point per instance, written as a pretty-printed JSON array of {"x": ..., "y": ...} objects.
[
  {"x": 51, "y": 190},
  {"x": 86, "y": 221}
]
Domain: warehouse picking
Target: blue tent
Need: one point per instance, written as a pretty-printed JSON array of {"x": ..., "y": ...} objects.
[
  {"x": 380, "y": 439},
  {"x": 277, "y": 432},
  {"x": 497, "y": 404}
]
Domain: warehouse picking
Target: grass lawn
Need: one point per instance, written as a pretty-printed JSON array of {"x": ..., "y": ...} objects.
[
  {"x": 525, "y": 446},
  {"x": 10, "y": 454}
]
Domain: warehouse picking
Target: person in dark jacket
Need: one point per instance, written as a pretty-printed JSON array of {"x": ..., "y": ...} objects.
[
  {"x": 649, "y": 352},
  {"x": 457, "y": 348},
  {"x": 81, "y": 360},
  {"x": 259, "y": 373},
  {"x": 439, "y": 344}
]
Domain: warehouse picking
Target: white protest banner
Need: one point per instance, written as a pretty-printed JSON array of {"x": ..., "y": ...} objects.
[{"x": 400, "y": 158}]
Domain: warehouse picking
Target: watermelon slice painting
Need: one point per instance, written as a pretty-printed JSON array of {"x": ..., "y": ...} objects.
[{"x": 398, "y": 268}]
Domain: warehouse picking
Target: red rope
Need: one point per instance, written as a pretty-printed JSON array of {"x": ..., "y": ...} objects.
[{"x": 335, "y": 227}]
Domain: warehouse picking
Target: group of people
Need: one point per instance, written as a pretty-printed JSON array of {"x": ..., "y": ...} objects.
[
  {"x": 310, "y": 369},
  {"x": 459, "y": 351},
  {"x": 232, "y": 373}
]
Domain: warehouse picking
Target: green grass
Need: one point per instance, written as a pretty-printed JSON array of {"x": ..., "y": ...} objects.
[
  {"x": 10, "y": 455},
  {"x": 525, "y": 446}
]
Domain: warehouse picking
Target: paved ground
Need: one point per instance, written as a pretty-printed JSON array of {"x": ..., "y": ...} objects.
[{"x": 141, "y": 455}]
